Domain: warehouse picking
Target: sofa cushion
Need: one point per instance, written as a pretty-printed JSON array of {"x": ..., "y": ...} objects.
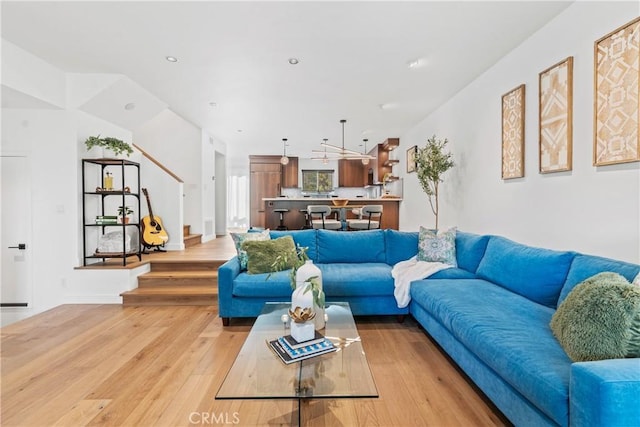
[
  {"x": 400, "y": 245},
  {"x": 303, "y": 238},
  {"x": 239, "y": 238},
  {"x": 599, "y": 319},
  {"x": 507, "y": 332},
  {"x": 350, "y": 246},
  {"x": 585, "y": 266},
  {"x": 535, "y": 273},
  {"x": 359, "y": 279},
  {"x": 437, "y": 246},
  {"x": 470, "y": 249},
  {"x": 268, "y": 285},
  {"x": 262, "y": 255},
  {"x": 453, "y": 273}
]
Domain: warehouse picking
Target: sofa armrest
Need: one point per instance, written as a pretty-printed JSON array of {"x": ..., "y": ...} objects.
[
  {"x": 605, "y": 393},
  {"x": 227, "y": 272}
]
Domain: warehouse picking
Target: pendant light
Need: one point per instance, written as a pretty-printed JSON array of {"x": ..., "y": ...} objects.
[
  {"x": 365, "y": 160},
  {"x": 345, "y": 153},
  {"x": 284, "y": 160},
  {"x": 325, "y": 160}
]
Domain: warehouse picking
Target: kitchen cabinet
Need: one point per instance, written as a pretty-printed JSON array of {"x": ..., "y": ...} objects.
[
  {"x": 268, "y": 178},
  {"x": 290, "y": 173},
  {"x": 352, "y": 173},
  {"x": 385, "y": 160}
]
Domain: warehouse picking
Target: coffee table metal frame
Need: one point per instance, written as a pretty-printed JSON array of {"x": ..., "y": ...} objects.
[{"x": 257, "y": 373}]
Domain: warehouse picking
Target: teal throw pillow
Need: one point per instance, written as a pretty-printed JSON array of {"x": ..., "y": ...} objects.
[
  {"x": 437, "y": 246},
  {"x": 239, "y": 238},
  {"x": 599, "y": 319},
  {"x": 263, "y": 254}
]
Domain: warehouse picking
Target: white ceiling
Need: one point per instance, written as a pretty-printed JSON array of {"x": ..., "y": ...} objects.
[{"x": 353, "y": 59}]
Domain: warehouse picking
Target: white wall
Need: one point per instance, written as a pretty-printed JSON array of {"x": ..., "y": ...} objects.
[
  {"x": 48, "y": 138},
  {"x": 177, "y": 144},
  {"x": 208, "y": 193},
  {"x": 591, "y": 210}
]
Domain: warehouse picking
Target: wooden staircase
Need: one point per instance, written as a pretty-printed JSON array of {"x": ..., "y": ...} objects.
[
  {"x": 190, "y": 239},
  {"x": 176, "y": 282}
]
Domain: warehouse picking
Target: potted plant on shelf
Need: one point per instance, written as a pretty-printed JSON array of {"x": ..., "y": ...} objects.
[
  {"x": 123, "y": 213},
  {"x": 117, "y": 146},
  {"x": 431, "y": 163}
]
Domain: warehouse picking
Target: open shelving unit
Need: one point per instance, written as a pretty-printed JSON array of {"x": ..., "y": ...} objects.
[{"x": 97, "y": 200}]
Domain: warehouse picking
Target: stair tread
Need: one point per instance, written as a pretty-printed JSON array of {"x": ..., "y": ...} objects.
[
  {"x": 173, "y": 290},
  {"x": 187, "y": 274},
  {"x": 191, "y": 236}
]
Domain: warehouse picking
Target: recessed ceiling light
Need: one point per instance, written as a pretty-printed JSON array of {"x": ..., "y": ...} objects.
[
  {"x": 417, "y": 63},
  {"x": 239, "y": 130},
  {"x": 171, "y": 59},
  {"x": 294, "y": 61},
  {"x": 130, "y": 106},
  {"x": 388, "y": 106},
  {"x": 213, "y": 104}
]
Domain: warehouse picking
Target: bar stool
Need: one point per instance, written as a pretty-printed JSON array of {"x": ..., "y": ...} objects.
[
  {"x": 366, "y": 221},
  {"x": 319, "y": 217},
  {"x": 307, "y": 224},
  {"x": 281, "y": 211}
]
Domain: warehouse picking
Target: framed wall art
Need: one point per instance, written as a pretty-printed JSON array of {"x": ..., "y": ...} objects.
[
  {"x": 411, "y": 159},
  {"x": 513, "y": 133},
  {"x": 616, "y": 106},
  {"x": 555, "y": 124}
]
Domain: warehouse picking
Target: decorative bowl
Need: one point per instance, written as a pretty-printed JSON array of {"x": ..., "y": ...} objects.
[{"x": 340, "y": 202}]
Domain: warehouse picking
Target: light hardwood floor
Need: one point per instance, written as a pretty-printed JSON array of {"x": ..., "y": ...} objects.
[
  {"x": 79, "y": 365},
  {"x": 110, "y": 365}
]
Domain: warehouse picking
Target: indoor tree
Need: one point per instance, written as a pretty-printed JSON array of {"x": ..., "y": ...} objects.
[{"x": 431, "y": 163}]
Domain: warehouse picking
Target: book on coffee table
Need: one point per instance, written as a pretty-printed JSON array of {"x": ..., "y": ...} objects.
[
  {"x": 289, "y": 355},
  {"x": 295, "y": 344}
]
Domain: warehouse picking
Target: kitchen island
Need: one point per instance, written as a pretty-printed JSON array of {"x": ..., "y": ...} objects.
[{"x": 295, "y": 219}]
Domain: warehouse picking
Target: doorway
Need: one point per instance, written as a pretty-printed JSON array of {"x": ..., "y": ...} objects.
[
  {"x": 221, "y": 194},
  {"x": 16, "y": 287}
]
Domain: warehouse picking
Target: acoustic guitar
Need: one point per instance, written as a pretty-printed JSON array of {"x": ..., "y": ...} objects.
[{"x": 153, "y": 233}]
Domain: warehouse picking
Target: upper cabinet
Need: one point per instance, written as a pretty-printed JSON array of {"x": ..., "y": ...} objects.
[
  {"x": 290, "y": 173},
  {"x": 386, "y": 160},
  {"x": 352, "y": 173}
]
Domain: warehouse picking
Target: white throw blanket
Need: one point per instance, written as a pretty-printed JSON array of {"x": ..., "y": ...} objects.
[{"x": 407, "y": 271}]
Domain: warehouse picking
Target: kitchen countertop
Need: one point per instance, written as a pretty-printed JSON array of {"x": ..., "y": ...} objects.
[{"x": 328, "y": 199}]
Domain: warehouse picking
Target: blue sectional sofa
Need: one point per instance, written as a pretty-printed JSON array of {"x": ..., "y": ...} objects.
[{"x": 491, "y": 315}]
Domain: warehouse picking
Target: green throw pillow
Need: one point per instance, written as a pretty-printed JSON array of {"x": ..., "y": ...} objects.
[
  {"x": 262, "y": 254},
  {"x": 239, "y": 238},
  {"x": 437, "y": 246},
  {"x": 599, "y": 319}
]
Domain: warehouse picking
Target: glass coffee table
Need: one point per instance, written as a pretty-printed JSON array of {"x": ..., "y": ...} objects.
[{"x": 257, "y": 373}]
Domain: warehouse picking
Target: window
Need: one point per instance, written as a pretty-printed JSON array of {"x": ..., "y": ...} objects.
[{"x": 317, "y": 181}]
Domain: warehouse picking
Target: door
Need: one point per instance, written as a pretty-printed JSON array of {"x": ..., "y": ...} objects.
[{"x": 15, "y": 289}]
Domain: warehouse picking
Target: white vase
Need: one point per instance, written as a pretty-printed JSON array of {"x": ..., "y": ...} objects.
[
  {"x": 302, "y": 298},
  {"x": 304, "y": 273},
  {"x": 110, "y": 154}
]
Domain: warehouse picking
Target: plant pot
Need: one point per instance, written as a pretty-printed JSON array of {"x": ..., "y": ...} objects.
[
  {"x": 110, "y": 154},
  {"x": 124, "y": 220}
]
